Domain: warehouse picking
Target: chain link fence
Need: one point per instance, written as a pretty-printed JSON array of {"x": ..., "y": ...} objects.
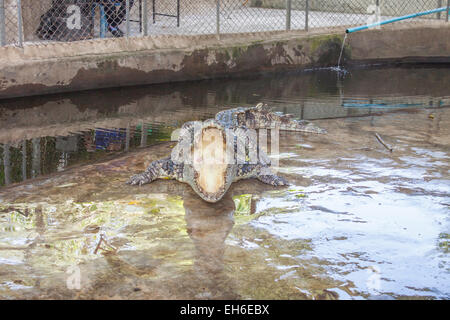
[{"x": 31, "y": 21}]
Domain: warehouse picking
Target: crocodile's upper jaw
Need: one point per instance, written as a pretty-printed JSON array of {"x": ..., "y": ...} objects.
[{"x": 211, "y": 171}]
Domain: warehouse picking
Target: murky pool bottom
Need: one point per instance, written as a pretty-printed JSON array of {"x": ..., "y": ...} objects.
[{"x": 357, "y": 222}]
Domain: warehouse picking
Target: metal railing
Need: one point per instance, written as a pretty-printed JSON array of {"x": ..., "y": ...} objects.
[{"x": 30, "y": 21}]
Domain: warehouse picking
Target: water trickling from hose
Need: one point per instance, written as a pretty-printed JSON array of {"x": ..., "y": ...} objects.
[
  {"x": 340, "y": 72},
  {"x": 342, "y": 51}
]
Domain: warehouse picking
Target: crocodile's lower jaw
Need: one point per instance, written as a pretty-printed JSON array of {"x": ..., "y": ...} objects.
[{"x": 212, "y": 197}]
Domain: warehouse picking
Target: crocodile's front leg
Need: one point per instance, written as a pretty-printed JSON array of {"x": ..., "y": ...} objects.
[{"x": 159, "y": 169}]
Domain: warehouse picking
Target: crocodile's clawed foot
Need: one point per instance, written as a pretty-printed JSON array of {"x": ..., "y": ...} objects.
[
  {"x": 280, "y": 181},
  {"x": 137, "y": 180},
  {"x": 273, "y": 180}
]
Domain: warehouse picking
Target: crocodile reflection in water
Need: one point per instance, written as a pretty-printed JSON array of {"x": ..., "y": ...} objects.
[{"x": 208, "y": 225}]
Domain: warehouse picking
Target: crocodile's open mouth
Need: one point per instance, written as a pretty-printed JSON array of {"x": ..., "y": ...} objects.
[{"x": 209, "y": 162}]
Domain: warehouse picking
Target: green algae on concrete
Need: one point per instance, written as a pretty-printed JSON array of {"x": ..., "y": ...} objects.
[{"x": 326, "y": 49}]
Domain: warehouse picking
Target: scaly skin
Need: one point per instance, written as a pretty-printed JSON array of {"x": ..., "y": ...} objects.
[
  {"x": 238, "y": 121},
  {"x": 260, "y": 117},
  {"x": 159, "y": 169}
]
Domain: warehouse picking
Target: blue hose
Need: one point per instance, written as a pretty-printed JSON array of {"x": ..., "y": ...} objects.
[{"x": 376, "y": 24}]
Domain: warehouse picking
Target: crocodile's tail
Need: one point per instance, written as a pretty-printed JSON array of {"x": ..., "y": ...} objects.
[
  {"x": 302, "y": 126},
  {"x": 261, "y": 117}
]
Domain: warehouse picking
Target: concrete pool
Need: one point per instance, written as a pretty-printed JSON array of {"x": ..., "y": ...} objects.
[{"x": 357, "y": 221}]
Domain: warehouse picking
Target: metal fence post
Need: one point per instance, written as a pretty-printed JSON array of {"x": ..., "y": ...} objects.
[
  {"x": 154, "y": 11},
  {"x": 218, "y": 18},
  {"x": 19, "y": 22},
  {"x": 448, "y": 9},
  {"x": 439, "y": 5},
  {"x": 288, "y": 14},
  {"x": 127, "y": 4},
  {"x": 307, "y": 15},
  {"x": 2, "y": 23},
  {"x": 178, "y": 13},
  {"x": 144, "y": 17}
]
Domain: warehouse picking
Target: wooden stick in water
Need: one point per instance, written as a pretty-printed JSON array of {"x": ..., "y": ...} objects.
[
  {"x": 383, "y": 143},
  {"x": 105, "y": 242},
  {"x": 98, "y": 245}
]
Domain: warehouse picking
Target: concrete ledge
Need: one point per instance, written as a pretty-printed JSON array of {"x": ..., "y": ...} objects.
[
  {"x": 402, "y": 44},
  {"x": 63, "y": 67}
]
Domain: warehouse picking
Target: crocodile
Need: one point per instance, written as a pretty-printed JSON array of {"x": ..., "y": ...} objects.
[{"x": 212, "y": 154}]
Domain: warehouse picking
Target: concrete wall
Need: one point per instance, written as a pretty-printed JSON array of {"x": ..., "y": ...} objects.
[
  {"x": 63, "y": 67},
  {"x": 402, "y": 44}
]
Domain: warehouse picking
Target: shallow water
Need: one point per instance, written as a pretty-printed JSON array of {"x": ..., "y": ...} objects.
[{"x": 357, "y": 222}]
